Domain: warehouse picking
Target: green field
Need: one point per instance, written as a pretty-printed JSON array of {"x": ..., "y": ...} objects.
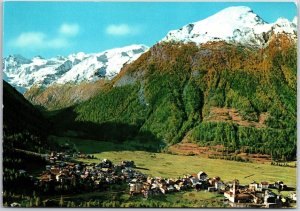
[{"x": 168, "y": 165}]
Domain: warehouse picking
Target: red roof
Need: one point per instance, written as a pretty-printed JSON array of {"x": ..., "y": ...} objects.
[{"x": 264, "y": 183}]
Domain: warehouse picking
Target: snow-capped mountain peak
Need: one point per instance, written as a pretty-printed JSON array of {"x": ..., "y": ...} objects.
[
  {"x": 233, "y": 24},
  {"x": 23, "y": 73},
  {"x": 38, "y": 61},
  {"x": 79, "y": 56}
]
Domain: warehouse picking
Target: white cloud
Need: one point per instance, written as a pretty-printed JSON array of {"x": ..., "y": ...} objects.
[
  {"x": 29, "y": 38},
  {"x": 69, "y": 29},
  {"x": 121, "y": 29},
  {"x": 38, "y": 40}
]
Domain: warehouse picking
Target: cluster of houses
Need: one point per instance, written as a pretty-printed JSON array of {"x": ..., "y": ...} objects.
[
  {"x": 63, "y": 175},
  {"x": 256, "y": 195},
  {"x": 68, "y": 176},
  {"x": 154, "y": 186},
  {"x": 252, "y": 195}
]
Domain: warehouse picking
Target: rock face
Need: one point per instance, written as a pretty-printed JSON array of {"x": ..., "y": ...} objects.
[
  {"x": 23, "y": 73},
  {"x": 234, "y": 25}
]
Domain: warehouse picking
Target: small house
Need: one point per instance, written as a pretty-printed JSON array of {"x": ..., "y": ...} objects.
[
  {"x": 150, "y": 180},
  {"x": 163, "y": 189},
  {"x": 212, "y": 181},
  {"x": 106, "y": 163},
  {"x": 293, "y": 197},
  {"x": 264, "y": 185},
  {"x": 280, "y": 185},
  {"x": 202, "y": 176},
  {"x": 178, "y": 187},
  {"x": 219, "y": 185},
  {"x": 201, "y": 186},
  {"x": 194, "y": 181},
  {"x": 254, "y": 186},
  {"x": 269, "y": 197},
  {"x": 170, "y": 188},
  {"x": 135, "y": 186}
]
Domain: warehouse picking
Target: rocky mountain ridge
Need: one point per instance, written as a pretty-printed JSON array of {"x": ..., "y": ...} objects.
[{"x": 23, "y": 73}]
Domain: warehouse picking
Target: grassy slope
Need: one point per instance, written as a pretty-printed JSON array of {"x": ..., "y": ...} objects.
[{"x": 60, "y": 96}]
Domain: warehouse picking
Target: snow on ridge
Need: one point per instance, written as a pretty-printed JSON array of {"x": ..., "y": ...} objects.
[
  {"x": 233, "y": 24},
  {"x": 104, "y": 64},
  {"x": 76, "y": 67}
]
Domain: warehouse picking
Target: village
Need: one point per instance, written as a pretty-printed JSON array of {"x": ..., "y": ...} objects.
[{"x": 63, "y": 175}]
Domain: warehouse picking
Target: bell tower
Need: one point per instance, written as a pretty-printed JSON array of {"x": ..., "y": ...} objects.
[{"x": 235, "y": 186}]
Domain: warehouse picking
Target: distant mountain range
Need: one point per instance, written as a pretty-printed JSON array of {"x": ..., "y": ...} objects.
[{"x": 23, "y": 73}]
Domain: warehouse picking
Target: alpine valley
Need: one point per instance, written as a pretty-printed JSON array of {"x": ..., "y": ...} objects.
[{"x": 223, "y": 88}]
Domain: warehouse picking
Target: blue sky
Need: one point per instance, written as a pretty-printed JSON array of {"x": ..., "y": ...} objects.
[{"x": 61, "y": 28}]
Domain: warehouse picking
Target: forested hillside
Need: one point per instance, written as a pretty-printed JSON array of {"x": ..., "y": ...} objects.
[
  {"x": 25, "y": 132},
  {"x": 24, "y": 126},
  {"x": 175, "y": 88}
]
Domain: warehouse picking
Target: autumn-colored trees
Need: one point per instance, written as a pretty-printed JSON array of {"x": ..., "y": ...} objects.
[{"x": 174, "y": 85}]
